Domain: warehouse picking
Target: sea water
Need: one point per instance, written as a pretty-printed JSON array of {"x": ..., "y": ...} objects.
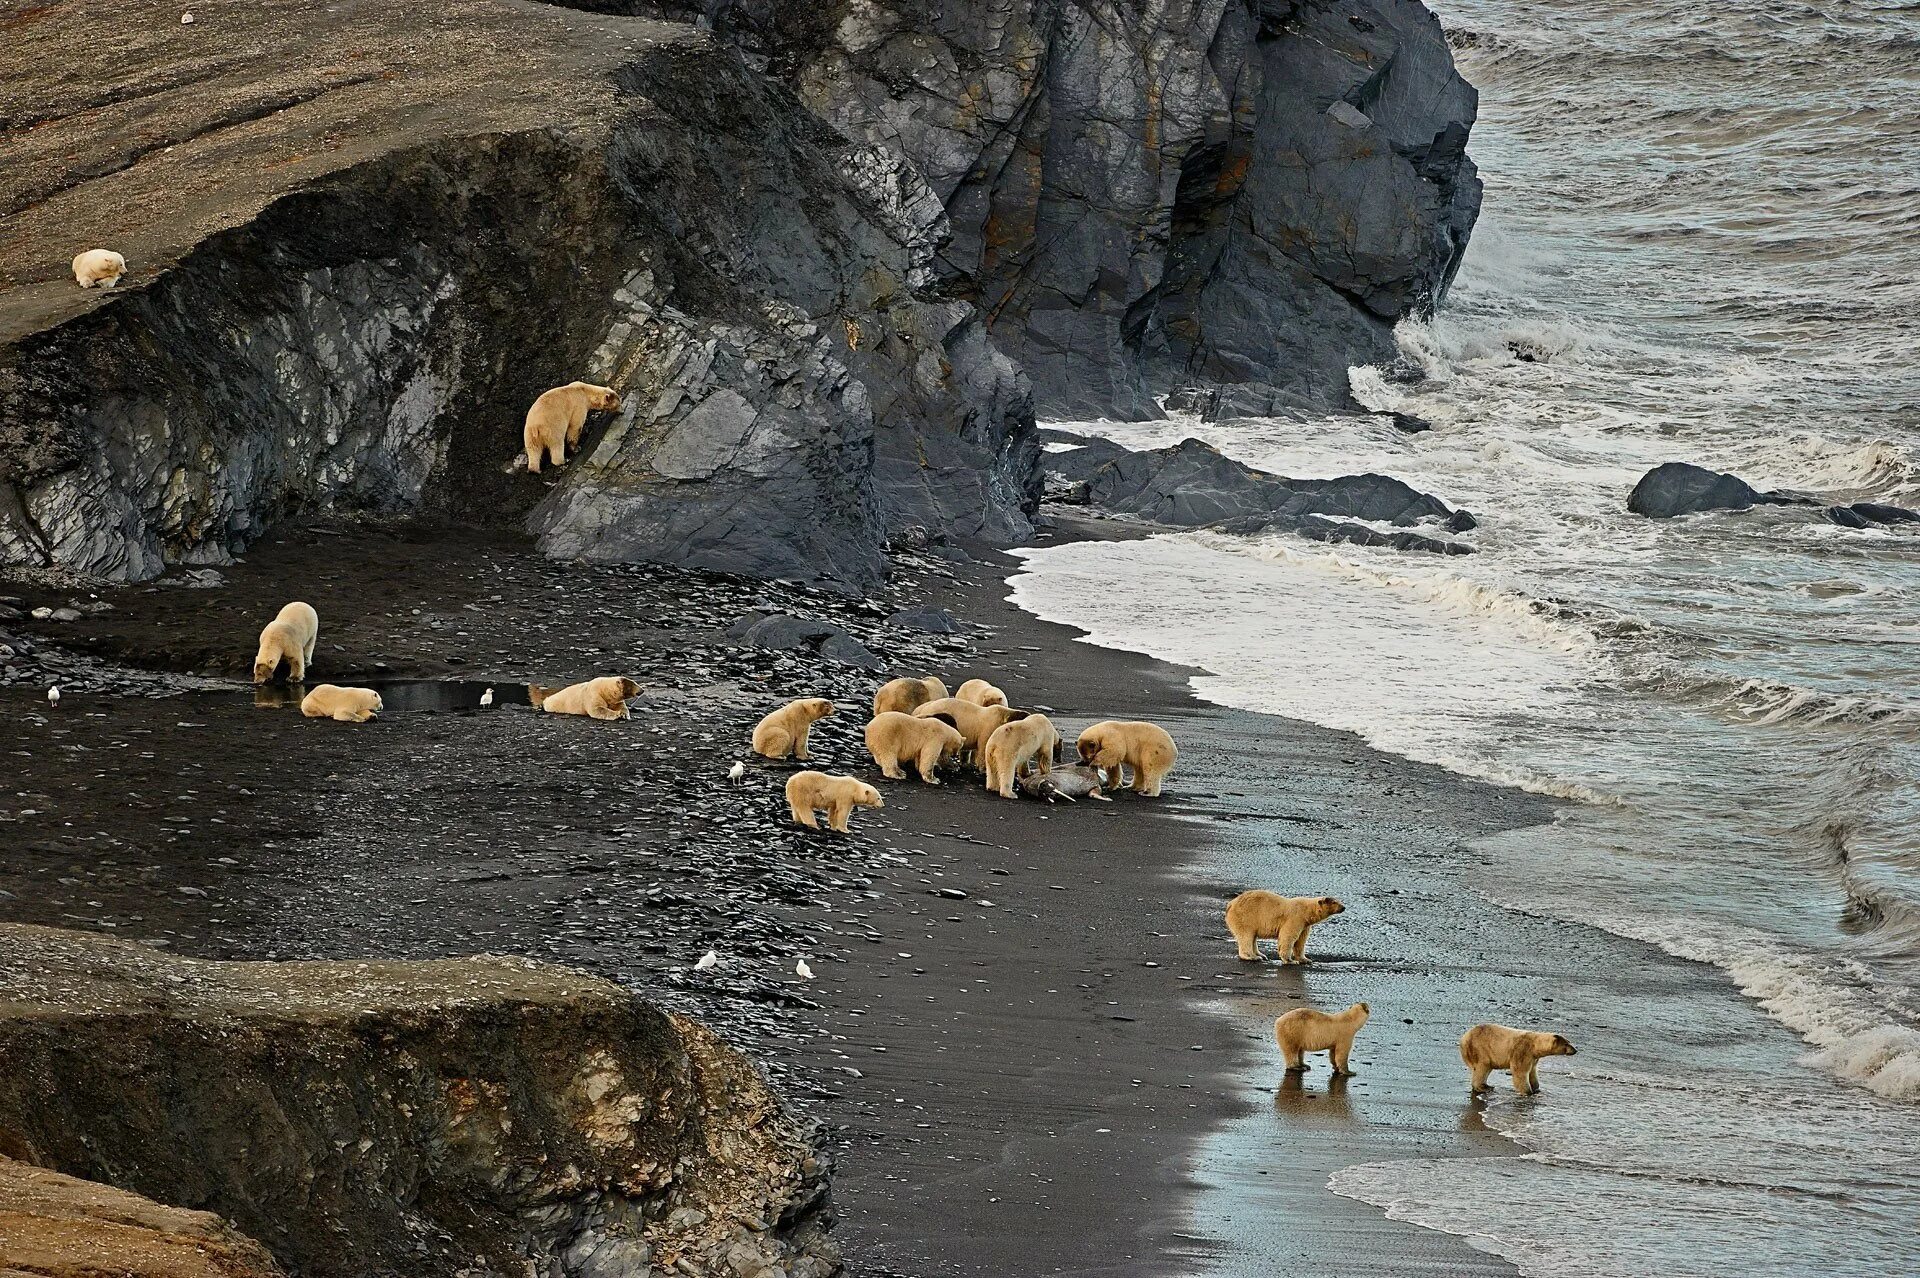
[{"x": 1701, "y": 242}]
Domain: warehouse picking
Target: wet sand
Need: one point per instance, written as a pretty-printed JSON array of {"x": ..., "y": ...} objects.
[{"x": 1065, "y": 1070}]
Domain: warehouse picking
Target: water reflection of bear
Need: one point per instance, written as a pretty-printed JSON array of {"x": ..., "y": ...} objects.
[
  {"x": 1294, "y": 1101},
  {"x": 274, "y": 696}
]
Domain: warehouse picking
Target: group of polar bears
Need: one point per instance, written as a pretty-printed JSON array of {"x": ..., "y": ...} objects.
[
  {"x": 1258, "y": 916},
  {"x": 916, "y": 723},
  {"x": 287, "y": 642}
]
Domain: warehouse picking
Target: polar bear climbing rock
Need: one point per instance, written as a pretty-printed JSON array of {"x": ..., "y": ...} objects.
[
  {"x": 288, "y": 639},
  {"x": 1013, "y": 747},
  {"x": 346, "y": 705},
  {"x": 907, "y": 695},
  {"x": 1485, "y": 1048},
  {"x": 98, "y": 266},
  {"x": 895, "y": 739},
  {"x": 556, "y": 419},
  {"x": 809, "y": 792},
  {"x": 1259, "y": 916},
  {"x": 784, "y": 732},
  {"x": 1305, "y": 1029},
  {"x": 981, "y": 693},
  {"x": 1144, "y": 748},
  {"x": 597, "y": 698}
]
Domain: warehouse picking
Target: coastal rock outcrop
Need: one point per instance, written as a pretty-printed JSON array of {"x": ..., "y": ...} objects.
[
  {"x": 1193, "y": 485},
  {"x": 1680, "y": 488},
  {"x": 483, "y": 1116}
]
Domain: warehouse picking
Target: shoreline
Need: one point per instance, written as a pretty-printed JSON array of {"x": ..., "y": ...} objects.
[{"x": 993, "y": 1076}]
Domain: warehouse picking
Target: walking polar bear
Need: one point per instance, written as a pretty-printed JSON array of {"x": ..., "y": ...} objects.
[
  {"x": 1485, "y": 1048},
  {"x": 345, "y": 705},
  {"x": 597, "y": 698},
  {"x": 907, "y": 695},
  {"x": 1144, "y": 747},
  {"x": 288, "y": 638},
  {"x": 809, "y": 791},
  {"x": 976, "y": 722},
  {"x": 1015, "y": 745},
  {"x": 1258, "y": 916},
  {"x": 556, "y": 419},
  {"x": 784, "y": 732},
  {"x": 1306, "y": 1030},
  {"x": 981, "y": 693},
  {"x": 926, "y": 743}
]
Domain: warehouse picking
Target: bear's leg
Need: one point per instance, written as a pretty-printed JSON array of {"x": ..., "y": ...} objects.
[
  {"x": 889, "y": 763},
  {"x": 1244, "y": 938},
  {"x": 802, "y": 815},
  {"x": 838, "y": 813},
  {"x": 1479, "y": 1083},
  {"x": 800, "y": 742},
  {"x": 601, "y": 710},
  {"x": 1151, "y": 779},
  {"x": 1285, "y": 942},
  {"x": 1533, "y": 1078},
  {"x": 296, "y": 667},
  {"x": 1341, "y": 1049},
  {"x": 929, "y": 760},
  {"x": 1296, "y": 1059},
  {"x": 1522, "y": 1071},
  {"x": 1300, "y": 943}
]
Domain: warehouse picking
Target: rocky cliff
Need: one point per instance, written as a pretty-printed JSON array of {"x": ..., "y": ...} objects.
[
  {"x": 813, "y": 245},
  {"x": 473, "y": 1116}
]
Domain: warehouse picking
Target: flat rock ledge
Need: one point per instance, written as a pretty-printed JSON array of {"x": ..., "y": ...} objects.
[{"x": 463, "y": 1117}]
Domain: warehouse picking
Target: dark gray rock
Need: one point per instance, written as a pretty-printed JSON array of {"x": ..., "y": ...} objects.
[
  {"x": 933, "y": 621},
  {"x": 1880, "y": 513},
  {"x": 1680, "y": 488},
  {"x": 1192, "y": 484},
  {"x": 783, "y": 633}
]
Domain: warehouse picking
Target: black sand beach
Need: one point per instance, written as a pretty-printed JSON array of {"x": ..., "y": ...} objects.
[{"x": 1027, "y": 1021}]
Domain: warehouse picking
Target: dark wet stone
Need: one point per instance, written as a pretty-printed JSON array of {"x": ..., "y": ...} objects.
[
  {"x": 933, "y": 621},
  {"x": 1880, "y": 513},
  {"x": 1680, "y": 488}
]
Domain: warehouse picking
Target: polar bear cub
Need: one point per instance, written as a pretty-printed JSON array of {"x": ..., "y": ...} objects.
[
  {"x": 556, "y": 419},
  {"x": 347, "y": 705},
  {"x": 1305, "y": 1029},
  {"x": 981, "y": 693},
  {"x": 1485, "y": 1048},
  {"x": 597, "y": 698},
  {"x": 809, "y": 791},
  {"x": 98, "y": 266},
  {"x": 784, "y": 732},
  {"x": 289, "y": 637},
  {"x": 1015, "y": 745},
  {"x": 1145, "y": 748},
  {"x": 907, "y": 695},
  {"x": 894, "y": 738},
  {"x": 1258, "y": 916}
]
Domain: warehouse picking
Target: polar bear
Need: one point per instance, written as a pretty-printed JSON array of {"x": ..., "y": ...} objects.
[
  {"x": 289, "y": 637},
  {"x": 1259, "y": 916},
  {"x": 981, "y": 693},
  {"x": 1015, "y": 745},
  {"x": 557, "y": 417},
  {"x": 1485, "y": 1048},
  {"x": 98, "y": 266},
  {"x": 597, "y": 698},
  {"x": 1144, "y": 747},
  {"x": 926, "y": 743},
  {"x": 976, "y": 722},
  {"x": 348, "y": 705},
  {"x": 905, "y": 695},
  {"x": 1306, "y": 1030},
  {"x": 809, "y": 790},
  {"x": 784, "y": 732}
]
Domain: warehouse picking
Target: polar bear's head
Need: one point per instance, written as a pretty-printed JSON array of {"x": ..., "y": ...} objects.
[
  {"x": 815, "y": 707},
  {"x": 868, "y": 797},
  {"x": 1557, "y": 1046},
  {"x": 628, "y": 689},
  {"x": 604, "y": 398},
  {"x": 1326, "y": 907}
]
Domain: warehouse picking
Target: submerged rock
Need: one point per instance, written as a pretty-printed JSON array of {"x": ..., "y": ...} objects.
[{"x": 483, "y": 1116}]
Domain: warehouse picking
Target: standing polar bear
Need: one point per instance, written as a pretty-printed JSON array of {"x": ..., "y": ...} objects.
[
  {"x": 345, "y": 705},
  {"x": 981, "y": 693},
  {"x": 557, "y": 417},
  {"x": 926, "y": 743},
  {"x": 596, "y": 698},
  {"x": 288, "y": 638},
  {"x": 98, "y": 266},
  {"x": 1015, "y": 745},
  {"x": 809, "y": 791},
  {"x": 1306, "y": 1030},
  {"x": 1258, "y": 916},
  {"x": 784, "y": 732},
  {"x": 907, "y": 695},
  {"x": 1146, "y": 748},
  {"x": 1485, "y": 1048},
  {"x": 976, "y": 722}
]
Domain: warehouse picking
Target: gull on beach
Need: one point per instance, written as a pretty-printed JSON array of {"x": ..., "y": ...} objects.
[
  {"x": 737, "y": 773},
  {"x": 53, "y": 695},
  {"x": 802, "y": 971},
  {"x": 710, "y": 959},
  {"x": 486, "y": 698}
]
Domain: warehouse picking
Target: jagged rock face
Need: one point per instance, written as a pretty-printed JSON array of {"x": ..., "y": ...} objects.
[
  {"x": 471, "y": 1116},
  {"x": 755, "y": 284},
  {"x": 1150, "y": 192}
]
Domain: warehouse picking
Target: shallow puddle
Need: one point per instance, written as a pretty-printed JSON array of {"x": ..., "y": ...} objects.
[{"x": 403, "y": 696}]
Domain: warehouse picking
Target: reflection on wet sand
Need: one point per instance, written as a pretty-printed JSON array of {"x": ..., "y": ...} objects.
[{"x": 1294, "y": 1101}]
